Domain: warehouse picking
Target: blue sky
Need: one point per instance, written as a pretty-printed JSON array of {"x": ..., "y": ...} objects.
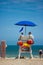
[{"x": 12, "y": 11}]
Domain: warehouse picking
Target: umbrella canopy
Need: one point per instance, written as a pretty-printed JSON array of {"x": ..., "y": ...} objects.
[{"x": 25, "y": 23}]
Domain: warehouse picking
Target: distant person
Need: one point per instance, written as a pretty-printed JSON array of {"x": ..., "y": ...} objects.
[
  {"x": 0, "y": 50},
  {"x": 40, "y": 53},
  {"x": 3, "y": 48}
]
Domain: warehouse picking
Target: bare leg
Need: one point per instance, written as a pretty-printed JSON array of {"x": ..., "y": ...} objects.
[{"x": 31, "y": 56}]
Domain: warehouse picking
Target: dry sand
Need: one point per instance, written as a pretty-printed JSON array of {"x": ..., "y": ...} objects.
[{"x": 10, "y": 61}]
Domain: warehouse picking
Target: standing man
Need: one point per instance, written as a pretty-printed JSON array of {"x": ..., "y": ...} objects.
[{"x": 30, "y": 41}]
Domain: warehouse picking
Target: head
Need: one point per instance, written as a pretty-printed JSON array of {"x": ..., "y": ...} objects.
[
  {"x": 29, "y": 33},
  {"x": 22, "y": 33}
]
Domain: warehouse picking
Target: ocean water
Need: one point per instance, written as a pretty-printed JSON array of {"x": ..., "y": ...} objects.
[{"x": 13, "y": 50}]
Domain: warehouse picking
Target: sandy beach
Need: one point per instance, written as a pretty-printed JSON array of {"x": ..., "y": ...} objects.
[{"x": 10, "y": 61}]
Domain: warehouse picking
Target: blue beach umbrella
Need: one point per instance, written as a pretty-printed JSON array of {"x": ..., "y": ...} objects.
[{"x": 26, "y": 23}]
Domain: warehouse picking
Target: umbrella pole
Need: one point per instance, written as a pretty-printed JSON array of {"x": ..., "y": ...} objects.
[{"x": 25, "y": 30}]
